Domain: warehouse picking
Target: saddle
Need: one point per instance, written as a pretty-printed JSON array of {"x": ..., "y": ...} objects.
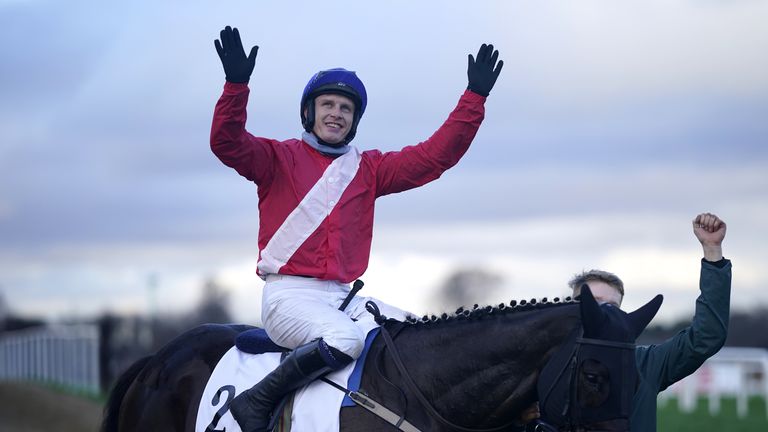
[
  {"x": 253, "y": 357},
  {"x": 256, "y": 341}
]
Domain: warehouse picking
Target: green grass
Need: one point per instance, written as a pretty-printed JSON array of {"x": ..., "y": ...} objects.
[{"x": 670, "y": 418}]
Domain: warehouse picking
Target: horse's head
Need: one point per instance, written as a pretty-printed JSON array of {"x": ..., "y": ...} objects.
[{"x": 591, "y": 380}]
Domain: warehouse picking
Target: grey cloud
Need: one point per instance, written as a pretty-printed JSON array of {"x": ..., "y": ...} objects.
[{"x": 551, "y": 190}]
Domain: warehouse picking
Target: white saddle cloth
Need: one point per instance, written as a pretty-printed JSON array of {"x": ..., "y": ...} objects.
[{"x": 316, "y": 407}]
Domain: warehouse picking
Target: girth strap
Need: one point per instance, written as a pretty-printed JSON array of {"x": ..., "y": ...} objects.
[
  {"x": 381, "y": 411},
  {"x": 376, "y": 408}
]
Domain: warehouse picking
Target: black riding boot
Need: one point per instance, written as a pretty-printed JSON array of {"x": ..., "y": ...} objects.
[{"x": 253, "y": 407}]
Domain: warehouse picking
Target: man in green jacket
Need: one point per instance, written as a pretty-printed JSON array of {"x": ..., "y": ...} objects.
[{"x": 659, "y": 366}]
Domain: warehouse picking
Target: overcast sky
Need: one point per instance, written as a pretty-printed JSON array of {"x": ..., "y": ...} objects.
[{"x": 611, "y": 126}]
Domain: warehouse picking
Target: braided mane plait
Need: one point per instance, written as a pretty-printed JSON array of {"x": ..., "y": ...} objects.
[{"x": 479, "y": 312}]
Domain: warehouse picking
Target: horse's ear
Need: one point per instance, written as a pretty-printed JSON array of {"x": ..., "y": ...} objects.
[
  {"x": 591, "y": 314},
  {"x": 640, "y": 318}
]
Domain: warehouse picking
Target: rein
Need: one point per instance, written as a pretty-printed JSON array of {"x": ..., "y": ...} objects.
[{"x": 390, "y": 345}]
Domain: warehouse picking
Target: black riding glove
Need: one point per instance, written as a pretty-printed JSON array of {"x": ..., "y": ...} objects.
[
  {"x": 237, "y": 66},
  {"x": 481, "y": 73}
]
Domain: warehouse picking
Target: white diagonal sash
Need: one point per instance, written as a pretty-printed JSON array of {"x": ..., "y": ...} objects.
[{"x": 310, "y": 213}]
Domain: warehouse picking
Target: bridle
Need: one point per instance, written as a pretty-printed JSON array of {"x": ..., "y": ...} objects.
[{"x": 561, "y": 411}]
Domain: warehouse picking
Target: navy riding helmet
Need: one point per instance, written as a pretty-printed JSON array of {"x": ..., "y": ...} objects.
[{"x": 337, "y": 81}]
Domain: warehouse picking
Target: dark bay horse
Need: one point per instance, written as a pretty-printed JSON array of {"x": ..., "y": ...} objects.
[{"x": 473, "y": 370}]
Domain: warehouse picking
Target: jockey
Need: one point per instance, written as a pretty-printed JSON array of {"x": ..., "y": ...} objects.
[{"x": 316, "y": 205}]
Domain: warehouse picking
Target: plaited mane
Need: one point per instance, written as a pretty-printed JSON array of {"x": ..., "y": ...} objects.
[{"x": 476, "y": 311}]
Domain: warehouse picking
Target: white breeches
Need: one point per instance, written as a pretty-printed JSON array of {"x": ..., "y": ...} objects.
[{"x": 296, "y": 310}]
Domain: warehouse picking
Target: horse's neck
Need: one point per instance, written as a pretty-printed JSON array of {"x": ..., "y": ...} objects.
[{"x": 491, "y": 361}]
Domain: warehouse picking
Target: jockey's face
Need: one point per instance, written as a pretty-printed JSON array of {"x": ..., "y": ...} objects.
[
  {"x": 333, "y": 117},
  {"x": 604, "y": 293}
]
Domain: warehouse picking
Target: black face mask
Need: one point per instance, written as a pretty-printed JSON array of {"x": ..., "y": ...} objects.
[{"x": 591, "y": 380}]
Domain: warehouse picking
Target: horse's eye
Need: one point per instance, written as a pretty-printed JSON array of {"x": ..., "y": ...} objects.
[{"x": 591, "y": 378}]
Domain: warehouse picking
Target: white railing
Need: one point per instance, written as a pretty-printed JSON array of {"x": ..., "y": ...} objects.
[
  {"x": 63, "y": 355},
  {"x": 733, "y": 372}
]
